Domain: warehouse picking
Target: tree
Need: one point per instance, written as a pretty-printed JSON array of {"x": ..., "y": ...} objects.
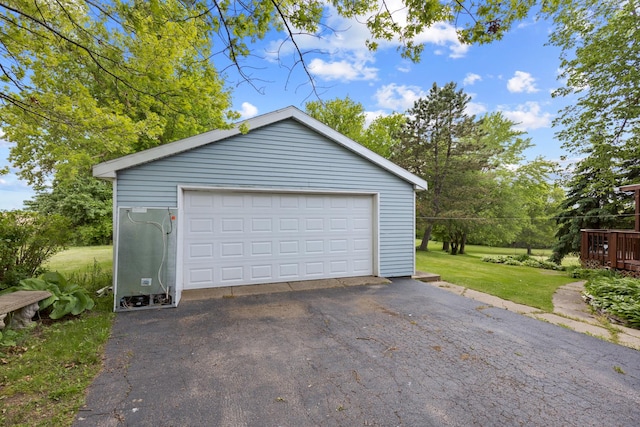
[
  {"x": 601, "y": 64},
  {"x": 85, "y": 201},
  {"x": 592, "y": 201},
  {"x": 600, "y": 61},
  {"x": 539, "y": 199},
  {"x": 89, "y": 81},
  {"x": 437, "y": 143},
  {"x": 235, "y": 26},
  {"x": 104, "y": 89},
  {"x": 382, "y": 134},
  {"x": 488, "y": 206},
  {"x": 28, "y": 240},
  {"x": 348, "y": 117},
  {"x": 344, "y": 115}
]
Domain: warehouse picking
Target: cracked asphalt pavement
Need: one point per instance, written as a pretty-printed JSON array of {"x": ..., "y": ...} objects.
[{"x": 404, "y": 354}]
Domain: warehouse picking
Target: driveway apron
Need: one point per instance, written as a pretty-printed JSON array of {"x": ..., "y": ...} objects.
[{"x": 403, "y": 354}]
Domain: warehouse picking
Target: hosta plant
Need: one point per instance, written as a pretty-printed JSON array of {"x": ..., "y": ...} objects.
[
  {"x": 66, "y": 298},
  {"x": 617, "y": 298}
]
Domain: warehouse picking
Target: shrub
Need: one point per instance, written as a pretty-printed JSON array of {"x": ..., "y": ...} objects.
[
  {"x": 531, "y": 263},
  {"x": 498, "y": 259},
  {"x": 616, "y": 297},
  {"x": 524, "y": 260},
  {"x": 27, "y": 240},
  {"x": 66, "y": 298}
]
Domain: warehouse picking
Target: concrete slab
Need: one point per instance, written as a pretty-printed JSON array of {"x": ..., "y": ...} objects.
[
  {"x": 456, "y": 289},
  {"x": 423, "y": 276},
  {"x": 576, "y": 325},
  {"x": 267, "y": 288},
  {"x": 363, "y": 281},
  {"x": 307, "y": 285},
  {"x": 200, "y": 294},
  {"x": 629, "y": 341},
  {"x": 568, "y": 300},
  {"x": 499, "y": 302}
]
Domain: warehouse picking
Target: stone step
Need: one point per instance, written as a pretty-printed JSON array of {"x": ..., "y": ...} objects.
[{"x": 423, "y": 276}]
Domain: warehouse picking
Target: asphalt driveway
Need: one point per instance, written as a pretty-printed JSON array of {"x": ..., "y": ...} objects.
[{"x": 404, "y": 354}]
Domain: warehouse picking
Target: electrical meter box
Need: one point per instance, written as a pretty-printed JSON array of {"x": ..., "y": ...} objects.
[{"x": 146, "y": 262}]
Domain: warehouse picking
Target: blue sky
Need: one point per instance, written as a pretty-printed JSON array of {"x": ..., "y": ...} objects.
[{"x": 515, "y": 75}]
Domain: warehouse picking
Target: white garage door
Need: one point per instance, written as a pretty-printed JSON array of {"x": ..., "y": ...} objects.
[{"x": 238, "y": 238}]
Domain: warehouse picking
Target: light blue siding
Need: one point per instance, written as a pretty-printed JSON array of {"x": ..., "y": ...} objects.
[{"x": 284, "y": 155}]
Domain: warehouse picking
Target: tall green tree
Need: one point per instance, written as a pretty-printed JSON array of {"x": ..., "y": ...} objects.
[
  {"x": 382, "y": 133},
  {"x": 487, "y": 207},
  {"x": 437, "y": 143},
  {"x": 344, "y": 115},
  {"x": 600, "y": 42},
  {"x": 539, "y": 199},
  {"x": 592, "y": 201},
  {"x": 348, "y": 117},
  {"x": 132, "y": 85},
  {"x": 87, "y": 204}
]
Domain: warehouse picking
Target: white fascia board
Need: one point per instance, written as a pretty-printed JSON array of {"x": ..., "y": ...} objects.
[{"x": 109, "y": 169}]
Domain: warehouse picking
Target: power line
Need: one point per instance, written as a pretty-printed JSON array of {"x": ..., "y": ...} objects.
[{"x": 526, "y": 217}]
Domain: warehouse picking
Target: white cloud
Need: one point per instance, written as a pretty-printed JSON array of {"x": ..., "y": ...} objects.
[
  {"x": 475, "y": 108},
  {"x": 345, "y": 44},
  {"x": 521, "y": 82},
  {"x": 528, "y": 116},
  {"x": 370, "y": 116},
  {"x": 471, "y": 78},
  {"x": 248, "y": 110},
  {"x": 342, "y": 70},
  {"x": 13, "y": 192},
  {"x": 398, "y": 97},
  {"x": 443, "y": 34}
]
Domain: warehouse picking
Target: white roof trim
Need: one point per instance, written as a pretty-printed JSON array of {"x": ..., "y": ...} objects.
[{"x": 109, "y": 169}]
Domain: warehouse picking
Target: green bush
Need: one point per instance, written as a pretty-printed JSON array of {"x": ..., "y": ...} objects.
[
  {"x": 27, "y": 240},
  {"x": 66, "y": 298},
  {"x": 531, "y": 263},
  {"x": 616, "y": 297},
  {"x": 591, "y": 273},
  {"x": 522, "y": 260}
]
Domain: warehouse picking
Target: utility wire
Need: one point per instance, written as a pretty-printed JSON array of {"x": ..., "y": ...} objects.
[{"x": 526, "y": 217}]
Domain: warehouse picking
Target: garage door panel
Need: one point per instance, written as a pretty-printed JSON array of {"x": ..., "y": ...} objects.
[
  {"x": 251, "y": 238},
  {"x": 231, "y": 225}
]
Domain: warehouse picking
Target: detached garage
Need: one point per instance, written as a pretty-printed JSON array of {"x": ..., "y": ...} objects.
[{"x": 289, "y": 200}]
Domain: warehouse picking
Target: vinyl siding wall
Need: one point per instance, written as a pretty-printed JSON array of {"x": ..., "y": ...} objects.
[{"x": 283, "y": 155}]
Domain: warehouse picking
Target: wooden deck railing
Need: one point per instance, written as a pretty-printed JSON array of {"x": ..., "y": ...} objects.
[{"x": 618, "y": 249}]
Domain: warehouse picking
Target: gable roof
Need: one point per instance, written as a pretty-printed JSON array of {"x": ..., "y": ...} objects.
[{"x": 109, "y": 169}]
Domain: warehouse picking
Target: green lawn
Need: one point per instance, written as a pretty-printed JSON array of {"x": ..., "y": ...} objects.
[
  {"x": 524, "y": 285},
  {"x": 79, "y": 258},
  {"x": 44, "y": 376}
]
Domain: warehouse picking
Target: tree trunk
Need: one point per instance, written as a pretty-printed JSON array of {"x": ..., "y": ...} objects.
[
  {"x": 445, "y": 246},
  {"x": 463, "y": 243},
  {"x": 529, "y": 250},
  {"x": 454, "y": 248},
  {"x": 425, "y": 238}
]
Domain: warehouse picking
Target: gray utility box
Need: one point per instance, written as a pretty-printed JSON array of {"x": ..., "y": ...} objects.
[{"x": 146, "y": 262}]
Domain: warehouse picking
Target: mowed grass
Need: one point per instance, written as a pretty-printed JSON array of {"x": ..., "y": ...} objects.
[
  {"x": 76, "y": 259},
  {"x": 44, "y": 376},
  {"x": 524, "y": 285}
]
